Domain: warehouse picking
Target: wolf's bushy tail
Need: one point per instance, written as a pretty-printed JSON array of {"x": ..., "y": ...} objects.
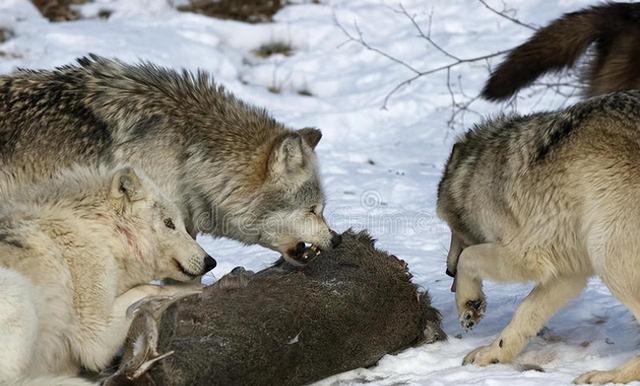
[
  {"x": 613, "y": 27},
  {"x": 50, "y": 381}
]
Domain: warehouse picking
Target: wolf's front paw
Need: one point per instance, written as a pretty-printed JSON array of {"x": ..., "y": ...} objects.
[
  {"x": 487, "y": 355},
  {"x": 471, "y": 312},
  {"x": 602, "y": 377}
]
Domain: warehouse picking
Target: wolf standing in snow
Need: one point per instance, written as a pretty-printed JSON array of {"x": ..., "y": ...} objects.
[
  {"x": 75, "y": 253},
  {"x": 614, "y": 65},
  {"x": 232, "y": 169},
  {"x": 550, "y": 198}
]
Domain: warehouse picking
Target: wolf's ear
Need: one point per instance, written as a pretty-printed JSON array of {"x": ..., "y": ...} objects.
[
  {"x": 311, "y": 136},
  {"x": 287, "y": 156},
  {"x": 126, "y": 184},
  {"x": 456, "y": 154}
]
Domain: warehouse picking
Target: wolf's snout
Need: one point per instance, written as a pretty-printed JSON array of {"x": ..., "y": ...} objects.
[
  {"x": 336, "y": 239},
  {"x": 209, "y": 264}
]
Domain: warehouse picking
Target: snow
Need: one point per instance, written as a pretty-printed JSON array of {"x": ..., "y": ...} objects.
[{"x": 380, "y": 166}]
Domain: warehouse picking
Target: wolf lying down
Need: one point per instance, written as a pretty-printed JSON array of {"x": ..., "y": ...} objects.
[
  {"x": 75, "y": 253},
  {"x": 550, "y": 198},
  {"x": 283, "y": 326}
]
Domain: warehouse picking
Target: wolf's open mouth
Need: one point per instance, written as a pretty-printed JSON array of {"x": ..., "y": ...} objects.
[
  {"x": 313, "y": 248},
  {"x": 304, "y": 252}
]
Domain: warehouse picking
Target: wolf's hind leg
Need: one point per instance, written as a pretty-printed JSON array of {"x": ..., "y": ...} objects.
[
  {"x": 484, "y": 261},
  {"x": 619, "y": 272},
  {"x": 530, "y": 317},
  {"x": 18, "y": 325},
  {"x": 630, "y": 370}
]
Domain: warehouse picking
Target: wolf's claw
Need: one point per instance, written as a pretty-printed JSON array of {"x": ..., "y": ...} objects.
[{"x": 474, "y": 311}]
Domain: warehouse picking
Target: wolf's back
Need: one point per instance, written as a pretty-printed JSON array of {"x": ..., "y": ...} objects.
[{"x": 615, "y": 66}]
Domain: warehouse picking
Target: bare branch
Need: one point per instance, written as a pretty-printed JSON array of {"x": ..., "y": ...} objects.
[
  {"x": 426, "y": 36},
  {"x": 459, "y": 109},
  {"x": 397, "y": 87},
  {"x": 445, "y": 67},
  {"x": 504, "y": 14},
  {"x": 461, "y": 101},
  {"x": 360, "y": 40},
  {"x": 457, "y": 61}
]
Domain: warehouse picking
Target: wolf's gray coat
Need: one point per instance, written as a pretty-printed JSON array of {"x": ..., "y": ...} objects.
[
  {"x": 233, "y": 170},
  {"x": 549, "y": 198}
]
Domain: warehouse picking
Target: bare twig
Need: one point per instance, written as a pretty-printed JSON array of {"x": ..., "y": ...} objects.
[
  {"x": 445, "y": 67},
  {"x": 426, "y": 36},
  {"x": 459, "y": 109},
  {"x": 504, "y": 14},
  {"x": 360, "y": 39},
  {"x": 461, "y": 102}
]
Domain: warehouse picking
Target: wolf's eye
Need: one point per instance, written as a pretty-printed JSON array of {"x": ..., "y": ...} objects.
[
  {"x": 169, "y": 223},
  {"x": 312, "y": 210}
]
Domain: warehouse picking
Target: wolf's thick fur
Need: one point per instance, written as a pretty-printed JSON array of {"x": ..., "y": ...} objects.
[
  {"x": 613, "y": 29},
  {"x": 232, "y": 169},
  {"x": 550, "y": 198},
  {"x": 75, "y": 253}
]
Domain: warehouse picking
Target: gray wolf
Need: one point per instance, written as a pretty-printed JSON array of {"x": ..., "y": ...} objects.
[
  {"x": 232, "y": 170},
  {"x": 352, "y": 296},
  {"x": 75, "y": 253},
  {"x": 549, "y": 198},
  {"x": 612, "y": 29}
]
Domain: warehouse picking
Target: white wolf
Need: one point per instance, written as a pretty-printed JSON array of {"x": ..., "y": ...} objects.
[{"x": 75, "y": 253}]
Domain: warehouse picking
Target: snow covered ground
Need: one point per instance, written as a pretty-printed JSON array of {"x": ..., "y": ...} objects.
[{"x": 380, "y": 166}]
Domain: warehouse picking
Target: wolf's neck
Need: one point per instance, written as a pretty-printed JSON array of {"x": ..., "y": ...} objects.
[
  {"x": 213, "y": 199},
  {"x": 74, "y": 218}
]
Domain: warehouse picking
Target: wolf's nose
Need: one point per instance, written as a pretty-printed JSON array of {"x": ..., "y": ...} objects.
[
  {"x": 336, "y": 239},
  {"x": 209, "y": 263}
]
